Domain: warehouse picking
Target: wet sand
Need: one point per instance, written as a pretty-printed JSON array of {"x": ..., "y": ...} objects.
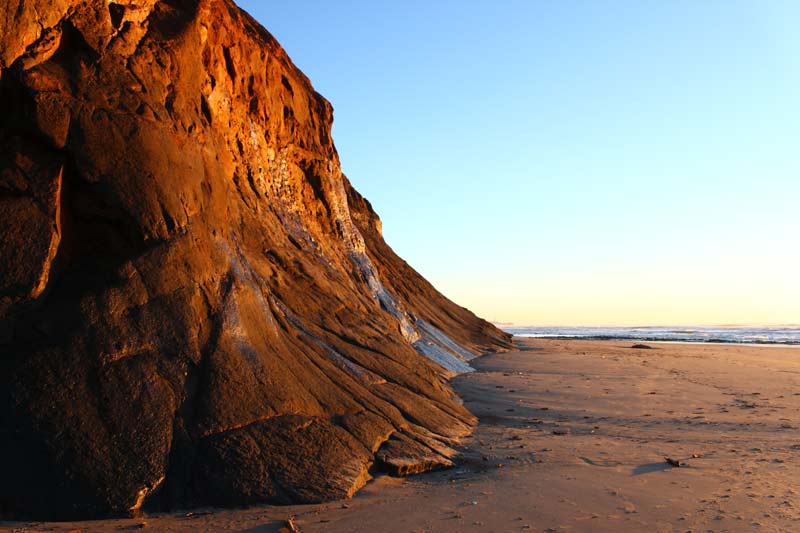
[{"x": 573, "y": 437}]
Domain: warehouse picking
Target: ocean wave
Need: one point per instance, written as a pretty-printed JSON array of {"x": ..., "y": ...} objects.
[{"x": 718, "y": 334}]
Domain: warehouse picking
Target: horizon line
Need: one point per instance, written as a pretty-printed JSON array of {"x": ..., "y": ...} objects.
[{"x": 501, "y": 324}]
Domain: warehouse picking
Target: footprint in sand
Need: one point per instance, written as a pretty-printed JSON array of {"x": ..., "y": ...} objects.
[{"x": 605, "y": 464}]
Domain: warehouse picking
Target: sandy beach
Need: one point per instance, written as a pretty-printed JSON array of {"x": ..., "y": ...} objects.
[{"x": 573, "y": 436}]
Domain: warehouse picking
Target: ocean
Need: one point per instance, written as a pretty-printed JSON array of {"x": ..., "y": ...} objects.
[{"x": 786, "y": 334}]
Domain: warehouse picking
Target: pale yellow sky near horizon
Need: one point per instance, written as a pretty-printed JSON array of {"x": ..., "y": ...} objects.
[
  {"x": 739, "y": 288},
  {"x": 629, "y": 309}
]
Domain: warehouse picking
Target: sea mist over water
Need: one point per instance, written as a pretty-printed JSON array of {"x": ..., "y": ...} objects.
[{"x": 783, "y": 334}]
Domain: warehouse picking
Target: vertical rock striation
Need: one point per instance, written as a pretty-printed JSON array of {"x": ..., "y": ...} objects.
[{"x": 196, "y": 307}]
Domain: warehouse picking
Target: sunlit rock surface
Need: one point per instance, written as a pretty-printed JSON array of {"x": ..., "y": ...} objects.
[{"x": 196, "y": 308}]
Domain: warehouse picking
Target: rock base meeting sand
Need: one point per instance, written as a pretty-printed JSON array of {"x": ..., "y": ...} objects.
[{"x": 574, "y": 436}]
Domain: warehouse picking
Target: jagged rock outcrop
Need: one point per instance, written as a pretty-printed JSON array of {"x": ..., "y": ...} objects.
[{"x": 196, "y": 308}]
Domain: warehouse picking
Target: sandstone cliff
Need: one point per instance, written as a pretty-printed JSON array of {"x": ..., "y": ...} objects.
[{"x": 196, "y": 308}]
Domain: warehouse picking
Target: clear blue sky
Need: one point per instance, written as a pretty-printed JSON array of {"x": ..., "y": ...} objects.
[{"x": 572, "y": 162}]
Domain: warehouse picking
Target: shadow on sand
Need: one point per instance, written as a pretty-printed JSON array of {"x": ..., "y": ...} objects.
[
  {"x": 651, "y": 467},
  {"x": 274, "y": 527}
]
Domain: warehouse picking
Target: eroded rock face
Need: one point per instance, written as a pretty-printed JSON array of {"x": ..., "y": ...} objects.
[{"x": 196, "y": 308}]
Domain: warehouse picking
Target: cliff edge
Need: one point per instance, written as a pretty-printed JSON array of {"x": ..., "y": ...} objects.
[{"x": 196, "y": 307}]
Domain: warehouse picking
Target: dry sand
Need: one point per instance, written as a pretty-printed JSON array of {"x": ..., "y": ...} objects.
[{"x": 573, "y": 437}]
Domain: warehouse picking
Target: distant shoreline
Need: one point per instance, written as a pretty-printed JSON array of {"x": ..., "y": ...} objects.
[
  {"x": 788, "y": 335},
  {"x": 656, "y": 340}
]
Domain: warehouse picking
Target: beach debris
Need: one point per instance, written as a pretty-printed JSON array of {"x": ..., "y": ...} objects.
[
  {"x": 697, "y": 455},
  {"x": 677, "y": 463},
  {"x": 560, "y": 432},
  {"x": 641, "y": 347}
]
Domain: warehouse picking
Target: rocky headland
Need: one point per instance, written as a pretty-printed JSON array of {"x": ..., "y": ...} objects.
[{"x": 196, "y": 307}]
